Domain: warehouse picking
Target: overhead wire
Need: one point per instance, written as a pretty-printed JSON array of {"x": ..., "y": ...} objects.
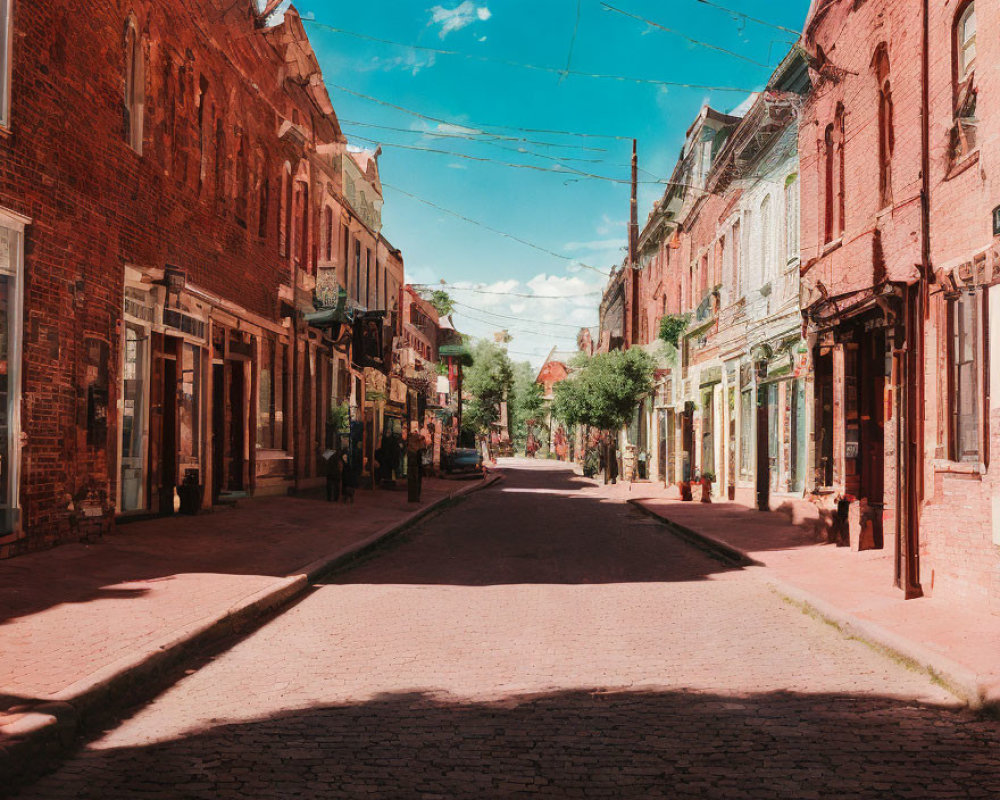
[
  {"x": 564, "y": 171},
  {"x": 474, "y": 136},
  {"x": 481, "y": 128},
  {"x": 517, "y": 319},
  {"x": 471, "y": 221},
  {"x": 685, "y": 37},
  {"x": 522, "y": 65},
  {"x": 748, "y": 18},
  {"x": 518, "y": 150},
  {"x": 507, "y": 294}
]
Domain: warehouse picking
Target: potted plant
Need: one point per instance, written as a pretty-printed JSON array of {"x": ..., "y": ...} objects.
[{"x": 707, "y": 479}]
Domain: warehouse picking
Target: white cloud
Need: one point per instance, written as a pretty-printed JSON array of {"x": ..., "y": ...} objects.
[
  {"x": 596, "y": 246},
  {"x": 412, "y": 62},
  {"x": 608, "y": 225},
  {"x": 454, "y": 19}
]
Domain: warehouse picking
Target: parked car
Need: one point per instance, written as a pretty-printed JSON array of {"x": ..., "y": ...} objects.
[{"x": 464, "y": 461}]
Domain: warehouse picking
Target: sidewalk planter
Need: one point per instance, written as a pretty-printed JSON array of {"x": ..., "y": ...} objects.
[
  {"x": 706, "y": 487},
  {"x": 189, "y": 493}
]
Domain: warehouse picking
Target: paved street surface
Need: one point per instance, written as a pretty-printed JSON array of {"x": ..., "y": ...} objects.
[{"x": 539, "y": 639}]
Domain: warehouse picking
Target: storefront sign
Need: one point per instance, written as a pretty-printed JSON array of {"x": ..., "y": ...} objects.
[
  {"x": 982, "y": 269},
  {"x": 711, "y": 375},
  {"x": 185, "y": 323},
  {"x": 375, "y": 385}
]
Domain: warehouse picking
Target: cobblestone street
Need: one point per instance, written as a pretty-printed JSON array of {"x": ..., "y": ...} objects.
[{"x": 540, "y": 638}]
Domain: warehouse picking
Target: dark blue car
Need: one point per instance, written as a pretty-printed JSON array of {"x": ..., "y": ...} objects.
[{"x": 463, "y": 461}]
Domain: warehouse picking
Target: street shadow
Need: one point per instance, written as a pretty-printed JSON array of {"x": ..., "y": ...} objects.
[
  {"x": 270, "y": 537},
  {"x": 566, "y": 744}
]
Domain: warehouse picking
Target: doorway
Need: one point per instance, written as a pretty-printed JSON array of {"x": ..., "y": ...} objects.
[
  {"x": 163, "y": 424},
  {"x": 866, "y": 364},
  {"x": 228, "y": 430}
]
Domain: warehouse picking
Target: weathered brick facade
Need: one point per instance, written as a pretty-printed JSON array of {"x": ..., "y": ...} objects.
[{"x": 221, "y": 165}]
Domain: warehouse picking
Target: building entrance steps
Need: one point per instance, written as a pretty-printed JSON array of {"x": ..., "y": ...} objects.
[
  {"x": 955, "y": 639},
  {"x": 84, "y": 625}
]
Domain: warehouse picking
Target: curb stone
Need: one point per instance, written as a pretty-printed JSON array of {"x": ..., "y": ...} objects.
[
  {"x": 961, "y": 681},
  {"x": 41, "y": 734}
]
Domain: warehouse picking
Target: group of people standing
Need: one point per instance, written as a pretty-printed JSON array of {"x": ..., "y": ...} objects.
[{"x": 344, "y": 467}]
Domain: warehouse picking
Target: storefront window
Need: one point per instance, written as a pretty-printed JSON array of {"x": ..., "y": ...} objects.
[
  {"x": 10, "y": 352},
  {"x": 708, "y": 432},
  {"x": 773, "y": 429},
  {"x": 189, "y": 409},
  {"x": 133, "y": 417},
  {"x": 746, "y": 435},
  {"x": 797, "y": 444},
  {"x": 270, "y": 404}
]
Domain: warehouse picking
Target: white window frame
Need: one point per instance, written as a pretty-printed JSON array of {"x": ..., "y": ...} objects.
[
  {"x": 6, "y": 59},
  {"x": 15, "y": 223},
  {"x": 133, "y": 278},
  {"x": 792, "y": 222},
  {"x": 965, "y": 42}
]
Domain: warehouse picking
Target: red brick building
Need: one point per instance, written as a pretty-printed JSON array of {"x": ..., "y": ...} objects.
[
  {"x": 900, "y": 258},
  {"x": 174, "y": 189}
]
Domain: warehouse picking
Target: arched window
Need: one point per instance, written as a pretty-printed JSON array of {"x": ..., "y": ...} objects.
[
  {"x": 829, "y": 150},
  {"x": 840, "y": 137},
  {"x": 285, "y": 211},
  {"x": 220, "y": 162},
  {"x": 135, "y": 87},
  {"x": 242, "y": 183},
  {"x": 265, "y": 199},
  {"x": 328, "y": 234},
  {"x": 965, "y": 42},
  {"x": 301, "y": 232},
  {"x": 766, "y": 240},
  {"x": 886, "y": 133}
]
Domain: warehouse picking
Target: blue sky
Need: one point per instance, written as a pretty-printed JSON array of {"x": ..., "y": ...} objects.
[{"x": 581, "y": 219}]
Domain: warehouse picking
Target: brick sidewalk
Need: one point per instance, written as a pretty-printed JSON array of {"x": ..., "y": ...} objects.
[
  {"x": 957, "y": 640},
  {"x": 81, "y": 613}
]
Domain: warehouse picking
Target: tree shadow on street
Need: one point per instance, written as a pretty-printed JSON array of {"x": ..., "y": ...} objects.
[{"x": 579, "y": 743}]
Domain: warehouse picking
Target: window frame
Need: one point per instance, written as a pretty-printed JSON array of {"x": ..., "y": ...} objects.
[
  {"x": 6, "y": 61},
  {"x": 135, "y": 85},
  {"x": 979, "y": 372},
  {"x": 962, "y": 69}
]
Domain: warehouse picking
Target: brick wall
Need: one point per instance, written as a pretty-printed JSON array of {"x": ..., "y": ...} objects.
[{"x": 96, "y": 205}]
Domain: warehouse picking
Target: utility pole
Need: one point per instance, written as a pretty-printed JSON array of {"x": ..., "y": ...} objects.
[{"x": 633, "y": 246}]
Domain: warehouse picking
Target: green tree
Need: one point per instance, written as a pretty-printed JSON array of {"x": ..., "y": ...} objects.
[
  {"x": 604, "y": 391},
  {"x": 488, "y": 382},
  {"x": 526, "y": 402},
  {"x": 441, "y": 301}
]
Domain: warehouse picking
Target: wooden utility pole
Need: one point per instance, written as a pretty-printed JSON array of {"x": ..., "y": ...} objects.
[{"x": 632, "y": 285}]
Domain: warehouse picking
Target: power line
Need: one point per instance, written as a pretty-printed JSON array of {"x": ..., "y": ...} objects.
[
  {"x": 683, "y": 36},
  {"x": 474, "y": 136},
  {"x": 522, "y": 65},
  {"x": 564, "y": 171},
  {"x": 479, "y": 128},
  {"x": 748, "y": 18},
  {"x": 507, "y": 294},
  {"x": 519, "y": 150},
  {"x": 518, "y": 319},
  {"x": 494, "y": 230},
  {"x": 494, "y": 324}
]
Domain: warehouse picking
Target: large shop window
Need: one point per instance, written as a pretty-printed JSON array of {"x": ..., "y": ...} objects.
[
  {"x": 746, "y": 435},
  {"x": 966, "y": 316},
  {"x": 10, "y": 360},
  {"x": 270, "y": 414},
  {"x": 134, "y": 382}
]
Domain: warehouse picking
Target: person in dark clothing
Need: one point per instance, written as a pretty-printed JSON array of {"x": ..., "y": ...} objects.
[{"x": 415, "y": 446}]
